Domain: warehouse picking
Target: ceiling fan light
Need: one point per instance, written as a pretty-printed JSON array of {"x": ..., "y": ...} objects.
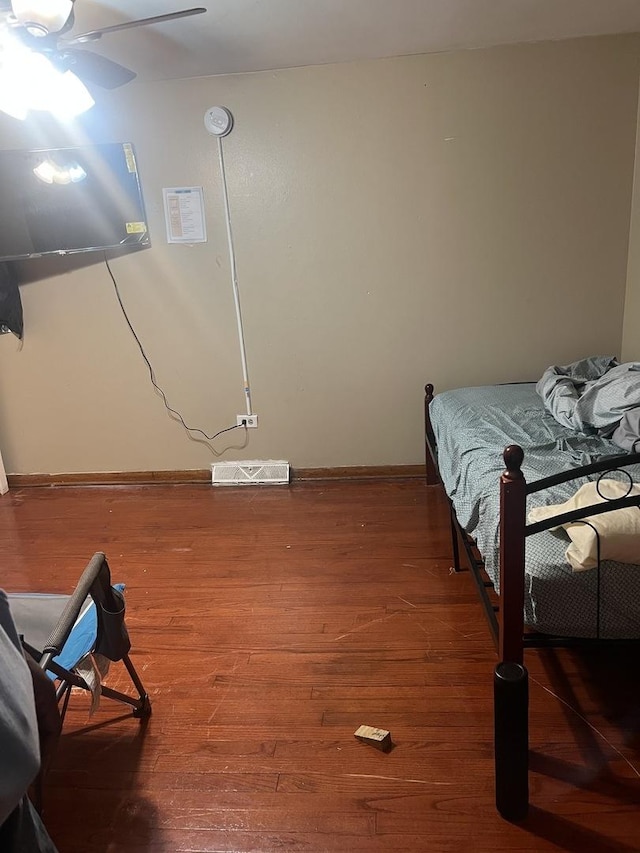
[
  {"x": 22, "y": 74},
  {"x": 30, "y": 81},
  {"x": 44, "y": 16},
  {"x": 70, "y": 97},
  {"x": 47, "y": 89}
]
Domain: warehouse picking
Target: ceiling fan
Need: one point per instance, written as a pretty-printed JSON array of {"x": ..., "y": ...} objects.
[{"x": 44, "y": 26}]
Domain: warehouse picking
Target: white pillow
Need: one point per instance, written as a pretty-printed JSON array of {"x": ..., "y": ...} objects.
[{"x": 619, "y": 530}]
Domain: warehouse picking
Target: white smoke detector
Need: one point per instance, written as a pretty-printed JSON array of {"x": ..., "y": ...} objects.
[{"x": 218, "y": 121}]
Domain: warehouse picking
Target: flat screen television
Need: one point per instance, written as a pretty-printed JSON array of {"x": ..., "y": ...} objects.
[{"x": 64, "y": 200}]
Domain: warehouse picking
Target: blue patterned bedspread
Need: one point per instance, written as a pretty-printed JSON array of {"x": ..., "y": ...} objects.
[{"x": 472, "y": 426}]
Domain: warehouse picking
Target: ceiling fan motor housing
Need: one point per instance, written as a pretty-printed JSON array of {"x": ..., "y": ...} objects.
[{"x": 42, "y": 17}]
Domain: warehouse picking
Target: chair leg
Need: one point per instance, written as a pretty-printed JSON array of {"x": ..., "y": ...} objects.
[
  {"x": 144, "y": 709},
  {"x": 65, "y": 704},
  {"x": 142, "y": 705}
]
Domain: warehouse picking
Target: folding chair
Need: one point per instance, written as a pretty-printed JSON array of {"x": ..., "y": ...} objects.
[{"x": 61, "y": 631}]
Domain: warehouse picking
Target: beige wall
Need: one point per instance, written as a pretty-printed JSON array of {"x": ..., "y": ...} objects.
[
  {"x": 456, "y": 218},
  {"x": 631, "y": 328}
]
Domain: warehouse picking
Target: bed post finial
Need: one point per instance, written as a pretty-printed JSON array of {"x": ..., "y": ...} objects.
[{"x": 513, "y": 456}]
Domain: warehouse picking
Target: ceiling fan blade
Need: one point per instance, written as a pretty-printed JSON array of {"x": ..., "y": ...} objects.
[
  {"x": 94, "y": 68},
  {"x": 94, "y": 35}
]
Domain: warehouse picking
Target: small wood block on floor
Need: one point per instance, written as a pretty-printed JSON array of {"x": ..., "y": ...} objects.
[{"x": 380, "y": 738}]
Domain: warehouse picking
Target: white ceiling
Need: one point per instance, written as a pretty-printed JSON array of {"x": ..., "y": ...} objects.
[{"x": 256, "y": 35}]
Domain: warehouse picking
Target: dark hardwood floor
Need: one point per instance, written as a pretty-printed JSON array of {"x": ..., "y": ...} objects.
[{"x": 267, "y": 625}]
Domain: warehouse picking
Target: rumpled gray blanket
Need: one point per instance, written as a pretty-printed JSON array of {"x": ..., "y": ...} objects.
[
  {"x": 595, "y": 395},
  {"x": 627, "y": 433}
]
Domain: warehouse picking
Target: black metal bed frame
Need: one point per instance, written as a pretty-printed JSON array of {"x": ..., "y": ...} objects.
[{"x": 506, "y": 619}]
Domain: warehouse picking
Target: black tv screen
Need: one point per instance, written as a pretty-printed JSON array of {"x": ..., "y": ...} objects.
[{"x": 63, "y": 200}]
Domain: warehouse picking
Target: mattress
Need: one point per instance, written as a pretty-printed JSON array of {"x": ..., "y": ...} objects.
[{"x": 472, "y": 426}]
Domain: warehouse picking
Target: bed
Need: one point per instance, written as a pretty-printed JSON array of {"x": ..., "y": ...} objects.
[{"x": 501, "y": 454}]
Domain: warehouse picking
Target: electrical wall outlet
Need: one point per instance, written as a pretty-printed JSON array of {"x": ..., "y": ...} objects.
[{"x": 248, "y": 421}]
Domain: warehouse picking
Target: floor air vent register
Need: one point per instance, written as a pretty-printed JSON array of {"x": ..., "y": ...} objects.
[{"x": 270, "y": 472}]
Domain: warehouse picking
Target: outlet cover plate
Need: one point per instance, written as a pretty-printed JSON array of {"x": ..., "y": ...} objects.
[{"x": 249, "y": 421}]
